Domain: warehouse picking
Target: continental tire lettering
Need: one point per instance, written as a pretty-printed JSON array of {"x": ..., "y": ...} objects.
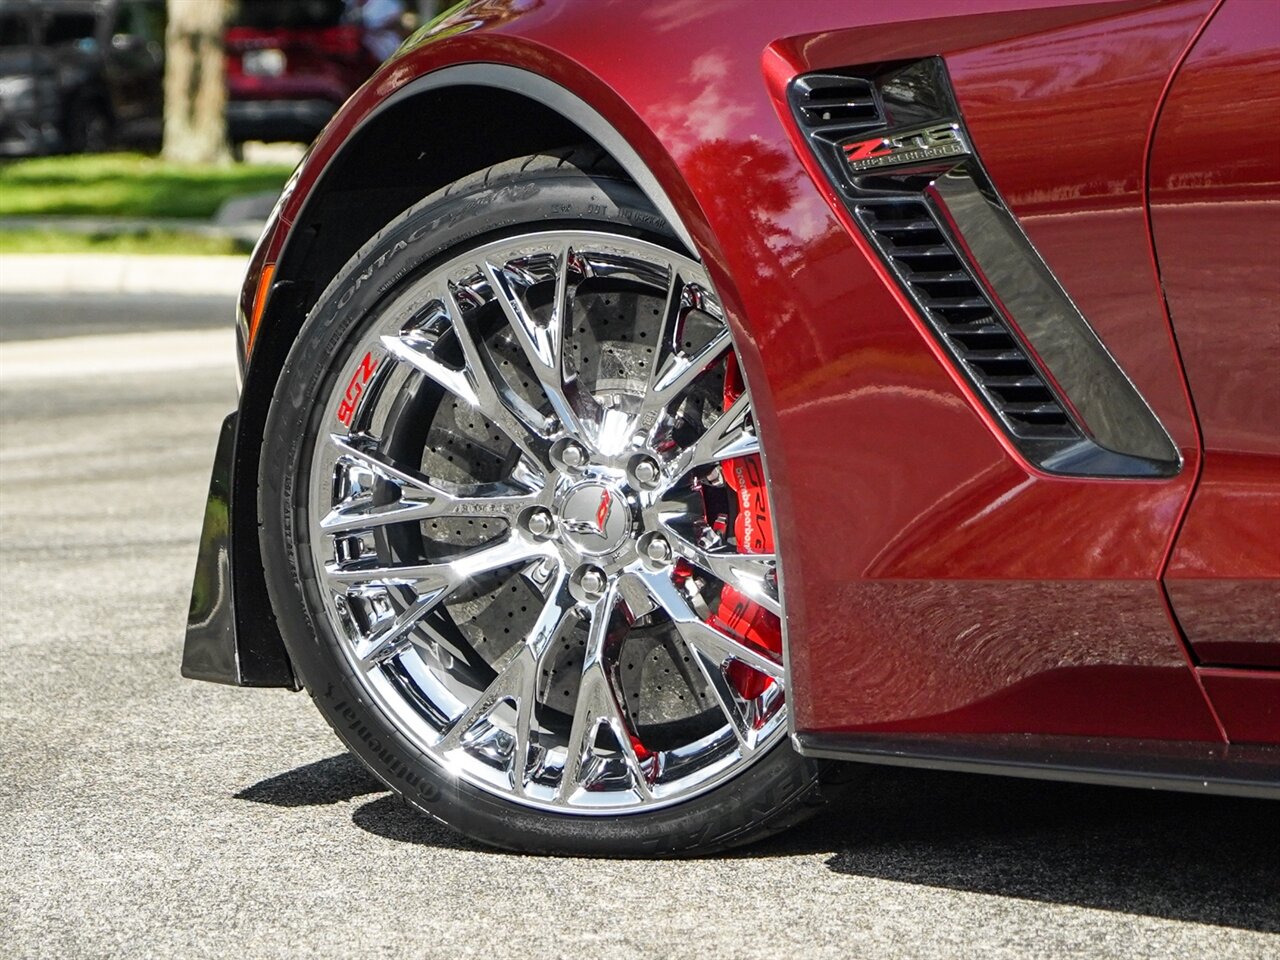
[
  {"x": 378, "y": 264},
  {"x": 394, "y": 766}
]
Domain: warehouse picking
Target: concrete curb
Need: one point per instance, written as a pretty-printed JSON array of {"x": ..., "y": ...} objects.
[{"x": 120, "y": 273}]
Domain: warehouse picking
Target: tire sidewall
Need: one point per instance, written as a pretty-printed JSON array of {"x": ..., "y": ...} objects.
[{"x": 760, "y": 800}]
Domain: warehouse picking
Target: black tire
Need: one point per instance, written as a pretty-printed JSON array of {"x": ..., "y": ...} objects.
[{"x": 571, "y": 189}]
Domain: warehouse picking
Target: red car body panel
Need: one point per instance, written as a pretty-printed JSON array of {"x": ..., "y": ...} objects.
[
  {"x": 935, "y": 582},
  {"x": 1248, "y": 701},
  {"x": 1215, "y": 172}
]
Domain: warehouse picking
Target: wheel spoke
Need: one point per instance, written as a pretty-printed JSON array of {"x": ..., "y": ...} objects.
[
  {"x": 678, "y": 375},
  {"x": 727, "y": 699},
  {"x": 711, "y": 648},
  {"x": 673, "y": 371},
  {"x": 419, "y": 498},
  {"x": 516, "y": 681},
  {"x": 749, "y": 573},
  {"x": 696, "y": 632},
  {"x": 729, "y": 436},
  {"x": 474, "y": 384},
  {"x": 396, "y": 636},
  {"x": 420, "y": 576},
  {"x": 456, "y": 382},
  {"x": 510, "y": 550},
  {"x": 598, "y": 704},
  {"x": 520, "y": 422},
  {"x": 543, "y": 344},
  {"x": 555, "y": 617}
]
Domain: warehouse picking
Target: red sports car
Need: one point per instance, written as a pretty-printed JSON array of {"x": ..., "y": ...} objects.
[{"x": 645, "y": 405}]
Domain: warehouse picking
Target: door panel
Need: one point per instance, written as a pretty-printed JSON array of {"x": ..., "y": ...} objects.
[{"x": 1215, "y": 208}]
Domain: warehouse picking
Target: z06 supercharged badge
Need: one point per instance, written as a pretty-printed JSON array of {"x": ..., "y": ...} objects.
[{"x": 911, "y": 146}]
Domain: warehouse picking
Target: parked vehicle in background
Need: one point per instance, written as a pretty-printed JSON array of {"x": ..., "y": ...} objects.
[
  {"x": 292, "y": 63},
  {"x": 80, "y": 75}
]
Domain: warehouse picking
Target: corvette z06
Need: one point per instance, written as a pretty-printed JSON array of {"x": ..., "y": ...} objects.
[{"x": 647, "y": 408}]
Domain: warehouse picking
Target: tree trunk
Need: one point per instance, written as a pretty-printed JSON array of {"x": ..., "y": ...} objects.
[{"x": 195, "y": 93}]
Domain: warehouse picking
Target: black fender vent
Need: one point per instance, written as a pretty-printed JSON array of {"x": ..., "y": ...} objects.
[
  {"x": 892, "y": 141},
  {"x": 825, "y": 100},
  {"x": 961, "y": 314}
]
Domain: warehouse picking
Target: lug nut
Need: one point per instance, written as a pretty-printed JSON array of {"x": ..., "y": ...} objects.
[
  {"x": 542, "y": 571},
  {"x": 573, "y": 455},
  {"x": 647, "y": 472},
  {"x": 593, "y": 583},
  {"x": 540, "y": 523},
  {"x": 709, "y": 538},
  {"x": 658, "y": 549}
]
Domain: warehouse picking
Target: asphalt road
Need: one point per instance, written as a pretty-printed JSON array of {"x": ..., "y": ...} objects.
[
  {"x": 142, "y": 814},
  {"x": 29, "y": 316}
]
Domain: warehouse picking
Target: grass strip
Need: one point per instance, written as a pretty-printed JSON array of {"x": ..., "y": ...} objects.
[
  {"x": 142, "y": 242},
  {"x": 126, "y": 185}
]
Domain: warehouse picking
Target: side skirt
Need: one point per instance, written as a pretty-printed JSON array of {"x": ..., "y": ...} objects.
[{"x": 1196, "y": 767}]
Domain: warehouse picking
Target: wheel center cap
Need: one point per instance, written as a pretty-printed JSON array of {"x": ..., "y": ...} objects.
[{"x": 595, "y": 518}]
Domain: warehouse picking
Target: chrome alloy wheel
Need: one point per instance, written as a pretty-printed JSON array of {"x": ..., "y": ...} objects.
[{"x": 527, "y": 533}]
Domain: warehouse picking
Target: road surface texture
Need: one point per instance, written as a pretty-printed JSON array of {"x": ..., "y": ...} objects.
[{"x": 142, "y": 814}]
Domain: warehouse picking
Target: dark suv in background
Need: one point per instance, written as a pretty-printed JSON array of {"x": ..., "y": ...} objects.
[
  {"x": 80, "y": 75},
  {"x": 292, "y": 63}
]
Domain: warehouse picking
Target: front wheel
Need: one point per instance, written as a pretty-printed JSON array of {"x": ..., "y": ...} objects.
[{"x": 516, "y": 527}]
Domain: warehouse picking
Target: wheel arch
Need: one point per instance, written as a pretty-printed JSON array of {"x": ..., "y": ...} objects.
[{"x": 337, "y": 215}]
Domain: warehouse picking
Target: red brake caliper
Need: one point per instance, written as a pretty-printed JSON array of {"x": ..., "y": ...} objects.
[{"x": 738, "y": 614}]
